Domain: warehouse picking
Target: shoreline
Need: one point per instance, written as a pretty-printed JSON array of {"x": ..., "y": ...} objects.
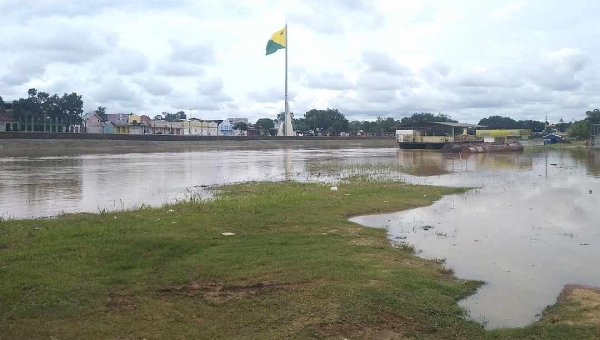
[
  {"x": 25, "y": 147},
  {"x": 206, "y": 264}
]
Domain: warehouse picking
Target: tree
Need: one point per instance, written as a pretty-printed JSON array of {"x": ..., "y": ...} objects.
[
  {"x": 2, "y": 109},
  {"x": 173, "y": 117},
  {"x": 281, "y": 116},
  {"x": 580, "y": 129},
  {"x": 426, "y": 117},
  {"x": 264, "y": 125},
  {"x": 533, "y": 125},
  {"x": 158, "y": 117},
  {"x": 329, "y": 121},
  {"x": 39, "y": 108},
  {"x": 498, "y": 122},
  {"x": 101, "y": 112},
  {"x": 593, "y": 117},
  {"x": 242, "y": 126}
]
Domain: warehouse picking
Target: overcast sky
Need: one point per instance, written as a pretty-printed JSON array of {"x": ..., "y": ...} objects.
[{"x": 469, "y": 59}]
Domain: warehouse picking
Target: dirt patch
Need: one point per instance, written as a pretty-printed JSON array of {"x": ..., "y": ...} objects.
[
  {"x": 118, "y": 303},
  {"x": 218, "y": 293},
  {"x": 389, "y": 327},
  {"x": 585, "y": 300}
]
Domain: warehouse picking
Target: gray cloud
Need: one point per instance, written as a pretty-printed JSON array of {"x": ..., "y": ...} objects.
[
  {"x": 187, "y": 59},
  {"x": 69, "y": 8},
  {"x": 154, "y": 85},
  {"x": 381, "y": 62},
  {"x": 198, "y": 54},
  {"x": 328, "y": 81},
  {"x": 128, "y": 62},
  {"x": 338, "y": 16},
  {"x": 272, "y": 95}
]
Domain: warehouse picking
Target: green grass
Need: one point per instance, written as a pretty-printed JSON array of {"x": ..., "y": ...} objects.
[
  {"x": 168, "y": 273},
  {"x": 557, "y": 146}
]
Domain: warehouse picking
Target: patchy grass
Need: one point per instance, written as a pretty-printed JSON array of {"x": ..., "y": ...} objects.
[
  {"x": 296, "y": 268},
  {"x": 557, "y": 146}
]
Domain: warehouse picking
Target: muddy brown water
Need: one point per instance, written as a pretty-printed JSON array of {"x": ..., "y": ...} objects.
[{"x": 531, "y": 227}]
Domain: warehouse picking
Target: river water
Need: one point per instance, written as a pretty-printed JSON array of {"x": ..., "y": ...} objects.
[{"x": 532, "y": 226}]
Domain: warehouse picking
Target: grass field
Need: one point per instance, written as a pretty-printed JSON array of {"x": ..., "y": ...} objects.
[{"x": 296, "y": 268}]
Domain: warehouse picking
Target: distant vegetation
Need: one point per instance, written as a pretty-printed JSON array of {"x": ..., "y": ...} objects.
[{"x": 69, "y": 107}]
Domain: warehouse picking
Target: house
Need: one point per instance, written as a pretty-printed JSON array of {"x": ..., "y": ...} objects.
[
  {"x": 162, "y": 127},
  {"x": 8, "y": 123},
  {"x": 198, "y": 127},
  {"x": 92, "y": 123},
  {"x": 226, "y": 128},
  {"x": 108, "y": 128}
]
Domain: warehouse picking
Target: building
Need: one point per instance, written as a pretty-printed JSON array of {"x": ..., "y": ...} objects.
[
  {"x": 198, "y": 127},
  {"x": 162, "y": 127},
  {"x": 93, "y": 123},
  {"x": 594, "y": 135},
  {"x": 226, "y": 128},
  {"x": 8, "y": 123}
]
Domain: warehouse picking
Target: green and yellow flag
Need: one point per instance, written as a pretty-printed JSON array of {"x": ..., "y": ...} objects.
[{"x": 276, "y": 42}]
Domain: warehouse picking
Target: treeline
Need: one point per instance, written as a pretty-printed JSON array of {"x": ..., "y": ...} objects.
[
  {"x": 332, "y": 122},
  {"x": 40, "y": 108}
]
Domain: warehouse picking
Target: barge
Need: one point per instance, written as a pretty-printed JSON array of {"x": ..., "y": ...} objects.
[{"x": 429, "y": 136}]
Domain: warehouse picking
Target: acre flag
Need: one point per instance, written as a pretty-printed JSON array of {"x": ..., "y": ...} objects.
[{"x": 277, "y": 41}]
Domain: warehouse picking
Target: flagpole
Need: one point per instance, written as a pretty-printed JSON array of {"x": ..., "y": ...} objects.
[{"x": 285, "y": 132}]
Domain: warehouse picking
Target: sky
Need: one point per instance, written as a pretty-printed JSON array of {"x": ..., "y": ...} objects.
[{"x": 525, "y": 59}]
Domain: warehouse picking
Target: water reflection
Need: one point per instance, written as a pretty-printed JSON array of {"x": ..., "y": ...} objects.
[{"x": 530, "y": 229}]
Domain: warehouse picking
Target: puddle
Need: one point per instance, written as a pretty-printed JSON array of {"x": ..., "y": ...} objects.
[{"x": 528, "y": 231}]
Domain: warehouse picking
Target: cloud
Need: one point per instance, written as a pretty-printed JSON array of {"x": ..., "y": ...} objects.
[
  {"x": 348, "y": 14},
  {"x": 381, "y": 62},
  {"x": 154, "y": 85},
  {"x": 271, "y": 95},
  {"x": 128, "y": 62},
  {"x": 561, "y": 69},
  {"x": 70, "y": 8},
  {"x": 187, "y": 59},
  {"x": 328, "y": 81},
  {"x": 198, "y": 54}
]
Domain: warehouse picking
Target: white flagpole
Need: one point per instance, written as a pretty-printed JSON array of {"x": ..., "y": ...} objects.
[{"x": 285, "y": 127}]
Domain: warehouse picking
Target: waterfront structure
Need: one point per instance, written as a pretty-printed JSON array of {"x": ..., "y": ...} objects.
[
  {"x": 92, "y": 123},
  {"x": 427, "y": 136},
  {"x": 8, "y": 123},
  {"x": 226, "y": 128},
  {"x": 594, "y": 135},
  {"x": 162, "y": 127},
  {"x": 200, "y": 127}
]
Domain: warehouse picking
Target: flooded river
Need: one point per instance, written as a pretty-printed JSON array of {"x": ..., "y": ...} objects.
[{"x": 531, "y": 227}]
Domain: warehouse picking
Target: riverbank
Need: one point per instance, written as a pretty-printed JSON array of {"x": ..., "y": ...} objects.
[
  {"x": 22, "y": 147},
  {"x": 294, "y": 267}
]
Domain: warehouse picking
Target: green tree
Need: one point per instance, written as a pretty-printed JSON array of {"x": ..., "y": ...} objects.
[
  {"x": 533, "y": 125},
  {"x": 499, "y": 122},
  {"x": 2, "y": 108},
  {"x": 426, "y": 117},
  {"x": 158, "y": 117},
  {"x": 173, "y": 117},
  {"x": 101, "y": 112},
  {"x": 281, "y": 116},
  {"x": 242, "y": 126},
  {"x": 580, "y": 129},
  {"x": 72, "y": 107},
  {"x": 593, "y": 117},
  {"x": 329, "y": 121},
  {"x": 264, "y": 125}
]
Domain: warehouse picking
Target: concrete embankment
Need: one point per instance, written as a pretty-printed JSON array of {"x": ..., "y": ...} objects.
[{"x": 45, "y": 144}]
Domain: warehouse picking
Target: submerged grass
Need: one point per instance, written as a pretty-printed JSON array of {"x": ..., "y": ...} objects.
[{"x": 296, "y": 268}]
